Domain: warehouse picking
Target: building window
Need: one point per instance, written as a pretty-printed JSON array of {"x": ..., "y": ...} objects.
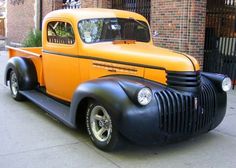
[{"x": 60, "y": 32}]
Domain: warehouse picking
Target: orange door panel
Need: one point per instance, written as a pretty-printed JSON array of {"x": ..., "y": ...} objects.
[
  {"x": 61, "y": 74},
  {"x": 96, "y": 69}
]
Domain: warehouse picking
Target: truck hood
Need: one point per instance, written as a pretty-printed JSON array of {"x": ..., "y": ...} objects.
[{"x": 142, "y": 54}]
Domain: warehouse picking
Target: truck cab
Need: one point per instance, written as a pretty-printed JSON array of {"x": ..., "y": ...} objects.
[{"x": 99, "y": 67}]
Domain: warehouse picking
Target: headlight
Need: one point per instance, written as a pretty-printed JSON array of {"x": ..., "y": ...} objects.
[
  {"x": 226, "y": 84},
  {"x": 144, "y": 96}
]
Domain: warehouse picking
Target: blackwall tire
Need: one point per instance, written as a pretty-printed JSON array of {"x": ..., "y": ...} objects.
[{"x": 101, "y": 129}]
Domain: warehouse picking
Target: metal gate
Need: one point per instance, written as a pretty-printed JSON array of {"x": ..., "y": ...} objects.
[
  {"x": 71, "y": 4},
  {"x": 142, "y": 7},
  {"x": 220, "y": 37}
]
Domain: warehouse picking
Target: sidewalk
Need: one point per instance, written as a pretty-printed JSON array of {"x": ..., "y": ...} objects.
[{"x": 31, "y": 139}]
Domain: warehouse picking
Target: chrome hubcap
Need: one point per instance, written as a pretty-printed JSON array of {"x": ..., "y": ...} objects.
[
  {"x": 100, "y": 123},
  {"x": 14, "y": 84}
]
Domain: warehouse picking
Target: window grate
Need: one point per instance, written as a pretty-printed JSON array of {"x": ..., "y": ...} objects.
[{"x": 142, "y": 7}]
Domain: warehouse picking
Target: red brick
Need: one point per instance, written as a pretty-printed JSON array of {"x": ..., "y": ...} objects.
[{"x": 181, "y": 25}]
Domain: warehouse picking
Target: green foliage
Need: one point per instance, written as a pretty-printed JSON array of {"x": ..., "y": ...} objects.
[
  {"x": 33, "y": 39},
  {"x": 60, "y": 29}
]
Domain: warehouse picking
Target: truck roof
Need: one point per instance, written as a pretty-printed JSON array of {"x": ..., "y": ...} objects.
[{"x": 88, "y": 13}]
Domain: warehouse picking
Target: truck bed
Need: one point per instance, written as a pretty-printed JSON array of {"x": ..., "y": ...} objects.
[
  {"x": 27, "y": 51},
  {"x": 33, "y": 53}
]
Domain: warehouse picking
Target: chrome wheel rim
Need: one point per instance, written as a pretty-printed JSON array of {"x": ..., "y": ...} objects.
[
  {"x": 100, "y": 123},
  {"x": 14, "y": 84}
]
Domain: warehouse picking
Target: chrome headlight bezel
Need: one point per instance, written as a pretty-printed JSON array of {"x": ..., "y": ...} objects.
[
  {"x": 226, "y": 84},
  {"x": 144, "y": 96}
]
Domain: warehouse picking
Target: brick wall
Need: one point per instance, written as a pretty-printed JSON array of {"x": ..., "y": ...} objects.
[
  {"x": 47, "y": 7},
  {"x": 20, "y": 17},
  {"x": 20, "y": 20},
  {"x": 181, "y": 25},
  {"x": 50, "y": 5},
  {"x": 105, "y": 3},
  {"x": 89, "y": 3}
]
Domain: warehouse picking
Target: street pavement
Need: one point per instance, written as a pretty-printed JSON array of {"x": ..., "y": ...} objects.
[{"x": 31, "y": 139}]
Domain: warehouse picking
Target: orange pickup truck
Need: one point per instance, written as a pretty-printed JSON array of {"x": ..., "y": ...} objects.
[{"x": 99, "y": 68}]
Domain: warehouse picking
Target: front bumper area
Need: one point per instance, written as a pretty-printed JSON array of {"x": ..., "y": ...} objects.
[{"x": 174, "y": 115}]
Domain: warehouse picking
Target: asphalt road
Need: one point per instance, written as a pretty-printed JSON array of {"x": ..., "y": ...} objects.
[{"x": 31, "y": 139}]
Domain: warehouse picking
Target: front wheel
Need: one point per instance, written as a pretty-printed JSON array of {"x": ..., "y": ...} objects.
[
  {"x": 14, "y": 86},
  {"x": 101, "y": 129}
]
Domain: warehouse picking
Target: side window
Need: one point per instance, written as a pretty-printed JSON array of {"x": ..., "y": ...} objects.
[{"x": 60, "y": 32}]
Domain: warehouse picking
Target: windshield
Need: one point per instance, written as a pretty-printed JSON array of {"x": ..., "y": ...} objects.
[{"x": 110, "y": 29}]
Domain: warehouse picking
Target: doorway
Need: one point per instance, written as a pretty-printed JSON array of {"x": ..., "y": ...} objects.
[{"x": 220, "y": 38}]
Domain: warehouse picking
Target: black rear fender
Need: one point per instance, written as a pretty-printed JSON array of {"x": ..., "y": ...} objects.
[{"x": 25, "y": 71}]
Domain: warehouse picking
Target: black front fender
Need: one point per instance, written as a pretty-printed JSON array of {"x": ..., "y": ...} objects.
[
  {"x": 115, "y": 93},
  {"x": 106, "y": 91}
]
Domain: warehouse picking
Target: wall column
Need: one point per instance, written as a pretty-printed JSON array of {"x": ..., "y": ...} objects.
[
  {"x": 20, "y": 20},
  {"x": 181, "y": 25}
]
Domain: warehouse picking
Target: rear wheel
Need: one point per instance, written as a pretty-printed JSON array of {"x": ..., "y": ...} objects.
[
  {"x": 101, "y": 129},
  {"x": 14, "y": 86}
]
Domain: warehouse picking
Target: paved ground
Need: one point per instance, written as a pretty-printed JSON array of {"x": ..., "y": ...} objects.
[
  {"x": 31, "y": 139},
  {"x": 2, "y": 44}
]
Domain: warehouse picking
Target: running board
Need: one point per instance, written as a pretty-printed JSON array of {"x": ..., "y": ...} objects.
[{"x": 57, "y": 110}]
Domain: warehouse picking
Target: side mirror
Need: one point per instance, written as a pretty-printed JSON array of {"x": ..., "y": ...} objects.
[{"x": 155, "y": 33}]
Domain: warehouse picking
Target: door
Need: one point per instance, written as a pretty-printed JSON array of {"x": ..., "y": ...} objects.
[
  {"x": 220, "y": 37},
  {"x": 60, "y": 64}
]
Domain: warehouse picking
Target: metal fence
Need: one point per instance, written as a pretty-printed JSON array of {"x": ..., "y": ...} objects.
[
  {"x": 220, "y": 38},
  {"x": 142, "y": 7},
  {"x": 71, "y": 4}
]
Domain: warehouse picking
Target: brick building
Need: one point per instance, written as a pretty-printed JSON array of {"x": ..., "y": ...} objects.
[
  {"x": 181, "y": 24},
  {"x": 24, "y": 16},
  {"x": 2, "y": 18}
]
